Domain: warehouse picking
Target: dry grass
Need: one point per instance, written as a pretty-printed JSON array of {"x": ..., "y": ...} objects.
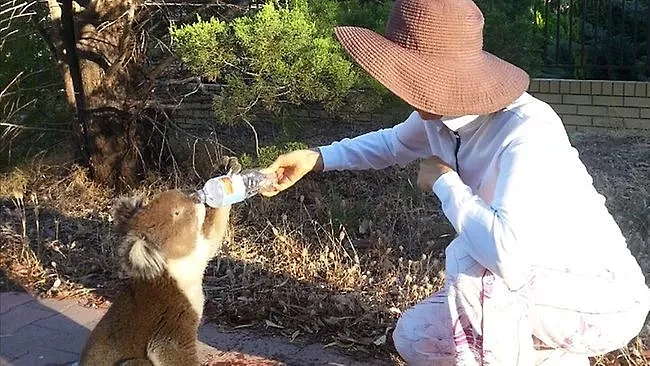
[
  {"x": 55, "y": 231},
  {"x": 336, "y": 271},
  {"x": 334, "y": 260}
]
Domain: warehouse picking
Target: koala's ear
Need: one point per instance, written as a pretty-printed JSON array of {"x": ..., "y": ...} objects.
[
  {"x": 123, "y": 210},
  {"x": 140, "y": 258}
]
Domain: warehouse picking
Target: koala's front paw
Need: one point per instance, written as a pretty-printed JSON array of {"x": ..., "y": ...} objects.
[{"x": 230, "y": 165}]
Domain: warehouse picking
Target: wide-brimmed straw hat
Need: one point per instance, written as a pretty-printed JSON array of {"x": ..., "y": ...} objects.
[{"x": 432, "y": 57}]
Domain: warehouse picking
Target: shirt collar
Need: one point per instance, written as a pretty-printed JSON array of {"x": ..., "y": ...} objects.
[
  {"x": 462, "y": 123},
  {"x": 455, "y": 123}
]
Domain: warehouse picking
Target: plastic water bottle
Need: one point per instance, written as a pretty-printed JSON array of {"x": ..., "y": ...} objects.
[{"x": 233, "y": 188}]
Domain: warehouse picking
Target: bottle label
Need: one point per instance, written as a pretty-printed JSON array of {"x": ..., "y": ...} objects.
[{"x": 234, "y": 189}]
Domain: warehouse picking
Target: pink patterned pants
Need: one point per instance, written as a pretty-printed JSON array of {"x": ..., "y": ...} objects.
[{"x": 477, "y": 321}]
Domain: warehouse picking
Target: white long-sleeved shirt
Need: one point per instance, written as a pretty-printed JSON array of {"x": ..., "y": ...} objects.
[{"x": 521, "y": 198}]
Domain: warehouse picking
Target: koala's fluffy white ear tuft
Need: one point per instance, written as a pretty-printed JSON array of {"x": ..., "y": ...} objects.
[
  {"x": 123, "y": 210},
  {"x": 140, "y": 258}
]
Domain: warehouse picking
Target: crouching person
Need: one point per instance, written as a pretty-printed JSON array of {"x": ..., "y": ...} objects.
[{"x": 539, "y": 272}]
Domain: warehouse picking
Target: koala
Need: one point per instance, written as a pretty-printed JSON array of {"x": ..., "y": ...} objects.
[{"x": 165, "y": 248}]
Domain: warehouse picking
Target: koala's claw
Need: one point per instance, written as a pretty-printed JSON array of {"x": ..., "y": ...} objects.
[{"x": 232, "y": 165}]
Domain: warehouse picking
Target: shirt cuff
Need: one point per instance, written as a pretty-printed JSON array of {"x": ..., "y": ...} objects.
[
  {"x": 332, "y": 158},
  {"x": 453, "y": 194},
  {"x": 443, "y": 186}
]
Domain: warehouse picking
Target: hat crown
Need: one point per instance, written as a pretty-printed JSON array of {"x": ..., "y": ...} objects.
[{"x": 448, "y": 28}]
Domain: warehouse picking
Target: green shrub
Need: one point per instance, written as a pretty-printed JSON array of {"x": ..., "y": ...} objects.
[
  {"x": 32, "y": 102},
  {"x": 276, "y": 59},
  {"x": 268, "y": 154},
  {"x": 511, "y": 33},
  {"x": 204, "y": 46}
]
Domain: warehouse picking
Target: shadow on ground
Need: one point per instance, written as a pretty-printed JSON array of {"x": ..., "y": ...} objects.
[
  {"x": 42, "y": 332},
  {"x": 52, "y": 332}
]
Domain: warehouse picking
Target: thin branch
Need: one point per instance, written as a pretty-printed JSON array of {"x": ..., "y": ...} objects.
[
  {"x": 241, "y": 70},
  {"x": 6, "y": 36},
  {"x": 46, "y": 86},
  {"x": 15, "y": 79},
  {"x": 15, "y": 16},
  {"x": 161, "y": 67},
  {"x": 169, "y": 121},
  {"x": 242, "y": 115},
  {"x": 196, "y": 79},
  {"x": 14, "y": 109},
  {"x": 194, "y": 159},
  {"x": 103, "y": 26},
  {"x": 54, "y": 11},
  {"x": 250, "y": 106},
  {"x": 199, "y": 8},
  {"x": 162, "y": 4},
  {"x": 257, "y": 140},
  {"x": 31, "y": 128},
  {"x": 283, "y": 93},
  {"x": 12, "y": 11},
  {"x": 16, "y": 10},
  {"x": 68, "y": 31},
  {"x": 199, "y": 86}
]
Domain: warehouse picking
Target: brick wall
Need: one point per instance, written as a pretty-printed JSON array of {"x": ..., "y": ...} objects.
[
  {"x": 597, "y": 105},
  {"x": 583, "y": 105},
  {"x": 189, "y": 105}
]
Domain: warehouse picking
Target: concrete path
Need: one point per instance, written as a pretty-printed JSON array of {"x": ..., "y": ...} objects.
[{"x": 35, "y": 332}]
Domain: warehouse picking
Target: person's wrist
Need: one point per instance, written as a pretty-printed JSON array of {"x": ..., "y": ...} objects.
[
  {"x": 439, "y": 179},
  {"x": 443, "y": 170},
  {"x": 318, "y": 165}
]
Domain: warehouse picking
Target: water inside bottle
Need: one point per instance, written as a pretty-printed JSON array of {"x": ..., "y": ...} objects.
[{"x": 233, "y": 188}]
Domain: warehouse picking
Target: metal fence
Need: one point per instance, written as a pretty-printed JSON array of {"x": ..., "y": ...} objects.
[
  {"x": 588, "y": 39},
  {"x": 600, "y": 39}
]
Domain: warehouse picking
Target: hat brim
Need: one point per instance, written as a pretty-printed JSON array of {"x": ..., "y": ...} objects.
[{"x": 481, "y": 84}]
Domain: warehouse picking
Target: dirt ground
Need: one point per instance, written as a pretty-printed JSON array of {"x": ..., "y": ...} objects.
[{"x": 335, "y": 260}]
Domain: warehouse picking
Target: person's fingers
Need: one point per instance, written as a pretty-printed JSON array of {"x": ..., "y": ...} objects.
[
  {"x": 285, "y": 182},
  {"x": 271, "y": 191},
  {"x": 286, "y": 170},
  {"x": 278, "y": 187},
  {"x": 268, "y": 193}
]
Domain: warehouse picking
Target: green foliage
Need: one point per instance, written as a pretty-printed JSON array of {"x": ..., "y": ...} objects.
[
  {"x": 31, "y": 98},
  {"x": 26, "y": 55},
  {"x": 268, "y": 154},
  {"x": 203, "y": 45},
  {"x": 277, "y": 59},
  {"x": 291, "y": 57},
  {"x": 511, "y": 33},
  {"x": 614, "y": 34},
  {"x": 369, "y": 14}
]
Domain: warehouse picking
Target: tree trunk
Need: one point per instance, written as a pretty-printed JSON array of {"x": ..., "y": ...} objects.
[{"x": 102, "y": 65}]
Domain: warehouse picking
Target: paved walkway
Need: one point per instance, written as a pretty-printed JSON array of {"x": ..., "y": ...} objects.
[{"x": 36, "y": 332}]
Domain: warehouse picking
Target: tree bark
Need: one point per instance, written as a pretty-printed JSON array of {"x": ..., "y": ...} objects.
[
  {"x": 102, "y": 66},
  {"x": 74, "y": 73},
  {"x": 100, "y": 47}
]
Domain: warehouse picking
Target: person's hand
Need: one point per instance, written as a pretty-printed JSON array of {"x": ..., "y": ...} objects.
[
  {"x": 291, "y": 167},
  {"x": 430, "y": 170}
]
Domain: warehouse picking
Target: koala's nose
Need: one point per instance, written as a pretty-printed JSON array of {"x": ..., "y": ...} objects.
[
  {"x": 193, "y": 195},
  {"x": 196, "y": 198}
]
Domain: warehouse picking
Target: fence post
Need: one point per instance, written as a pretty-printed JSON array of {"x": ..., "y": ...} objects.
[{"x": 647, "y": 40}]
